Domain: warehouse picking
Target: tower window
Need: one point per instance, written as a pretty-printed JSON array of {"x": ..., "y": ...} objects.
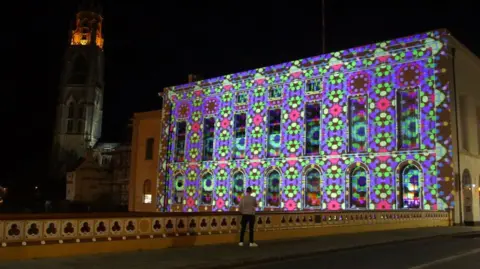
[
  {"x": 80, "y": 127},
  {"x": 71, "y": 112},
  {"x": 208, "y": 138},
  {"x": 274, "y": 132},
  {"x": 358, "y": 123},
  {"x": 149, "y": 148},
  {"x": 408, "y": 129},
  {"x": 180, "y": 145},
  {"x": 81, "y": 111},
  {"x": 239, "y": 144},
  {"x": 312, "y": 119},
  {"x": 69, "y": 126}
]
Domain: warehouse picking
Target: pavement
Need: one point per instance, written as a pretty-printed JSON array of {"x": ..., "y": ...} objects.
[{"x": 404, "y": 248}]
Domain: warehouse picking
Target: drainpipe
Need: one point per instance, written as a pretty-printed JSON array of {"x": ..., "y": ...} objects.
[{"x": 457, "y": 178}]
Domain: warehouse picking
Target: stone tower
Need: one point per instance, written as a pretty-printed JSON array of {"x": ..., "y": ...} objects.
[{"x": 80, "y": 103}]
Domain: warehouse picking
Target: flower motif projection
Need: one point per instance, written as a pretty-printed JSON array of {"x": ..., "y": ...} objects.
[{"x": 364, "y": 128}]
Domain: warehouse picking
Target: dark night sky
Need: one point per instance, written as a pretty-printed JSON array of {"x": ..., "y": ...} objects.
[{"x": 153, "y": 44}]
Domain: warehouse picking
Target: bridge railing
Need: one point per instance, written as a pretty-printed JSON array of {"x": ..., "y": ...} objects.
[{"x": 45, "y": 229}]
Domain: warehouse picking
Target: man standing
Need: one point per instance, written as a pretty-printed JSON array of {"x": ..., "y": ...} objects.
[{"x": 247, "y": 209}]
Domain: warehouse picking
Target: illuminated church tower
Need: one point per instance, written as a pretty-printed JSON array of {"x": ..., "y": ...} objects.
[{"x": 80, "y": 102}]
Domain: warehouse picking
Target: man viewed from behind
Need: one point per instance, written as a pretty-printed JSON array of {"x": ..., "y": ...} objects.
[{"x": 247, "y": 209}]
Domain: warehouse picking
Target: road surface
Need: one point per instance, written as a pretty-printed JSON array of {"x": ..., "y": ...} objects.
[{"x": 439, "y": 253}]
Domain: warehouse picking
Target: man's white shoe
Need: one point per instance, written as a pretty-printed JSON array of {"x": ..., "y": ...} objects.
[
  {"x": 240, "y": 244},
  {"x": 253, "y": 245}
]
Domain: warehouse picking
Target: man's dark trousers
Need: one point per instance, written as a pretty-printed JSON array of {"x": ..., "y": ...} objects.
[{"x": 250, "y": 219}]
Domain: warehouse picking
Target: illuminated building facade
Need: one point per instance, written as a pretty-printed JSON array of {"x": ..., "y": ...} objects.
[{"x": 364, "y": 128}]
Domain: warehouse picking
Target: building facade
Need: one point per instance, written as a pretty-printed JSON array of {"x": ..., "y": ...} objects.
[
  {"x": 80, "y": 103},
  {"x": 144, "y": 161},
  {"x": 365, "y": 128},
  {"x": 102, "y": 176}
]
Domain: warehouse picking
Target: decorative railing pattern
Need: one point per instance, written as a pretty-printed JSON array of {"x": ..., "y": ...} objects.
[{"x": 24, "y": 230}]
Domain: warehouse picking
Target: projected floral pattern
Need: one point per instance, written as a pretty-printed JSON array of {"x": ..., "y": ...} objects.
[{"x": 380, "y": 106}]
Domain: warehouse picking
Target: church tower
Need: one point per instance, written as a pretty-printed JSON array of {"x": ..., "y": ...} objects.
[{"x": 80, "y": 103}]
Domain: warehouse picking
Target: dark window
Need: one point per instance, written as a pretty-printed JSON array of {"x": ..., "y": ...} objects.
[
  {"x": 71, "y": 111},
  {"x": 358, "y": 124},
  {"x": 180, "y": 146},
  {"x": 312, "y": 119},
  {"x": 408, "y": 129},
  {"x": 69, "y": 126},
  {"x": 241, "y": 98},
  {"x": 275, "y": 91},
  {"x": 149, "y": 149},
  {"x": 208, "y": 138},
  {"x": 314, "y": 85},
  {"x": 274, "y": 132},
  {"x": 239, "y": 144},
  {"x": 80, "y": 127}
]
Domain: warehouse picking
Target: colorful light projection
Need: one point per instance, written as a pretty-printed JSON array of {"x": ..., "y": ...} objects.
[{"x": 364, "y": 128}]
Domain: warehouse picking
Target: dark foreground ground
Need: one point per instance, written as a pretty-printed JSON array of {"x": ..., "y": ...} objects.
[
  {"x": 442, "y": 247},
  {"x": 439, "y": 253}
]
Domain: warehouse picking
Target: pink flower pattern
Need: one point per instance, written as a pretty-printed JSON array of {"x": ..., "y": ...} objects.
[
  {"x": 257, "y": 119},
  {"x": 294, "y": 114}
]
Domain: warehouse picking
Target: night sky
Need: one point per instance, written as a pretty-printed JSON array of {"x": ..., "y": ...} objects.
[{"x": 153, "y": 44}]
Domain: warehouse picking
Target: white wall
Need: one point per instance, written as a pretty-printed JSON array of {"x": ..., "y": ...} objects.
[{"x": 467, "y": 85}]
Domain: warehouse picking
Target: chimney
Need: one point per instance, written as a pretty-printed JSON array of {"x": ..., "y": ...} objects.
[{"x": 193, "y": 78}]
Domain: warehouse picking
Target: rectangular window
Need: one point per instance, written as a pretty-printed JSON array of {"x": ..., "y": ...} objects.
[
  {"x": 312, "y": 136},
  {"x": 240, "y": 137},
  {"x": 275, "y": 91},
  {"x": 241, "y": 98},
  {"x": 358, "y": 123},
  {"x": 407, "y": 113},
  {"x": 149, "y": 148},
  {"x": 180, "y": 146},
  {"x": 274, "y": 132},
  {"x": 314, "y": 85},
  {"x": 208, "y": 138}
]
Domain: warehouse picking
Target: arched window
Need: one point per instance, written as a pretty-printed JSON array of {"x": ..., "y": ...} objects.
[
  {"x": 79, "y": 71},
  {"x": 81, "y": 111},
  {"x": 238, "y": 187},
  {"x": 69, "y": 126},
  {"x": 313, "y": 189},
  {"x": 147, "y": 191},
  {"x": 207, "y": 189},
  {"x": 71, "y": 111},
  {"x": 411, "y": 189},
  {"x": 179, "y": 189},
  {"x": 358, "y": 188},
  {"x": 273, "y": 189},
  {"x": 80, "y": 126}
]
